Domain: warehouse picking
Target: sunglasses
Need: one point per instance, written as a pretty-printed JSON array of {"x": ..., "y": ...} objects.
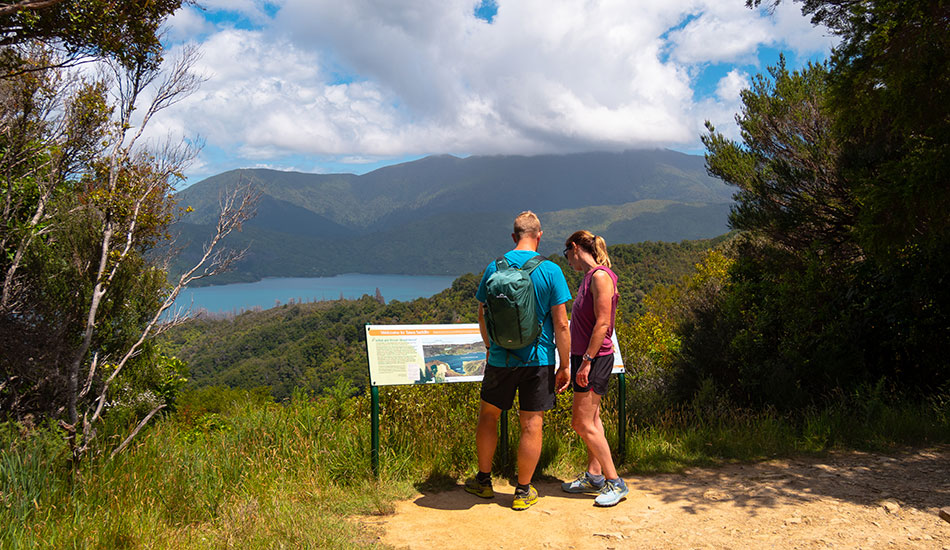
[{"x": 568, "y": 249}]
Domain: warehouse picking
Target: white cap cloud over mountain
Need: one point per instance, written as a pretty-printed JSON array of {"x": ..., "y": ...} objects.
[{"x": 371, "y": 78}]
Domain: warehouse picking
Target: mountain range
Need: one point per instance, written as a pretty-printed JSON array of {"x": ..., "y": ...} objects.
[{"x": 444, "y": 215}]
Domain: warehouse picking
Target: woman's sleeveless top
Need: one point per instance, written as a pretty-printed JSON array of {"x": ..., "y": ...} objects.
[{"x": 582, "y": 316}]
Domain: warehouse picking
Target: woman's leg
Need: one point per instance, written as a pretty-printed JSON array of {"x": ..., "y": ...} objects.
[
  {"x": 593, "y": 465},
  {"x": 587, "y": 423}
]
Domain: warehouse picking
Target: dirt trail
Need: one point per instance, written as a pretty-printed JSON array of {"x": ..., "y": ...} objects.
[{"x": 845, "y": 500}]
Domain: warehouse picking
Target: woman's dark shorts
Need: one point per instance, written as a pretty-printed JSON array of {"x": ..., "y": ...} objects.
[
  {"x": 535, "y": 386},
  {"x": 599, "y": 375}
]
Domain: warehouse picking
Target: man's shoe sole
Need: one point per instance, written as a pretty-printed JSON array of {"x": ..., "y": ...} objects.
[
  {"x": 524, "y": 505},
  {"x": 482, "y": 492}
]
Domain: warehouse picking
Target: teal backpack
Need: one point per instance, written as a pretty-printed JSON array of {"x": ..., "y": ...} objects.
[{"x": 510, "y": 305}]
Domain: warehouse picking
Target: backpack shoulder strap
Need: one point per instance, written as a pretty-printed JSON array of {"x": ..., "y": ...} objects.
[
  {"x": 501, "y": 263},
  {"x": 533, "y": 263}
]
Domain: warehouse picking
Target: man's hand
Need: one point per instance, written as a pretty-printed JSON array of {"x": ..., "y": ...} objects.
[{"x": 562, "y": 379}]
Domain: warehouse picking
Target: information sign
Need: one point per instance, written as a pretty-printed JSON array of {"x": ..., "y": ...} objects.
[{"x": 428, "y": 354}]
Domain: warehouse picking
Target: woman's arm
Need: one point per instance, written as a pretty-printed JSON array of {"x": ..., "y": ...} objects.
[{"x": 602, "y": 290}]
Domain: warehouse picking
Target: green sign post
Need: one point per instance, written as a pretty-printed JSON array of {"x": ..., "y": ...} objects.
[
  {"x": 374, "y": 428},
  {"x": 622, "y": 416}
]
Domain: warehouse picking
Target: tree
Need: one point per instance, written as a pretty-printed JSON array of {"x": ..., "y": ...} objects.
[
  {"x": 52, "y": 127},
  {"x": 124, "y": 30},
  {"x": 890, "y": 88},
  {"x": 86, "y": 206},
  {"x": 786, "y": 167},
  {"x": 840, "y": 278}
]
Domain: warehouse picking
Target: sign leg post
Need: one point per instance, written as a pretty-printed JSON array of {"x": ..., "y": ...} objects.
[
  {"x": 374, "y": 452},
  {"x": 622, "y": 417}
]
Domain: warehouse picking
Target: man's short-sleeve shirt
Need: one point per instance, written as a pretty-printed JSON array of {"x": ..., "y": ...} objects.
[{"x": 550, "y": 289}]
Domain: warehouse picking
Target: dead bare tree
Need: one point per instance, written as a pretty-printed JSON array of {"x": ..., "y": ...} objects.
[
  {"x": 135, "y": 187},
  {"x": 237, "y": 206}
]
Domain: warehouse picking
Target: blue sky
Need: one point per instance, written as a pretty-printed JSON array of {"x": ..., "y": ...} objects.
[{"x": 321, "y": 86}]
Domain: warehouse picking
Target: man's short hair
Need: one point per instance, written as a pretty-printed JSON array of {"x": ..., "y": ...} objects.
[{"x": 527, "y": 223}]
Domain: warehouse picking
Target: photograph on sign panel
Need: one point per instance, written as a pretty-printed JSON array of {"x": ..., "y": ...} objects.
[{"x": 452, "y": 362}]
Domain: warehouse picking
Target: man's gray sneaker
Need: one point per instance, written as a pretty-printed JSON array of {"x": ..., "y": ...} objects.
[
  {"x": 583, "y": 484},
  {"x": 612, "y": 493}
]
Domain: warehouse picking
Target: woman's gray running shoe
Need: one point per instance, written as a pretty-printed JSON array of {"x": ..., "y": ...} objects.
[
  {"x": 611, "y": 494},
  {"x": 583, "y": 484}
]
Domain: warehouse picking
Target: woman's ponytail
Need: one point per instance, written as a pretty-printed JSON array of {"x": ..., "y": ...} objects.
[{"x": 600, "y": 251}]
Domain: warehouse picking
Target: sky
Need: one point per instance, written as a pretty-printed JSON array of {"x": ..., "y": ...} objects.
[{"x": 325, "y": 86}]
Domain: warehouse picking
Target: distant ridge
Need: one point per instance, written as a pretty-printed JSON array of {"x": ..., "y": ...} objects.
[{"x": 447, "y": 215}]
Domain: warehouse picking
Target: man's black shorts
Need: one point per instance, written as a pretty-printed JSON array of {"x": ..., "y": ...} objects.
[
  {"x": 599, "y": 375},
  {"x": 535, "y": 386}
]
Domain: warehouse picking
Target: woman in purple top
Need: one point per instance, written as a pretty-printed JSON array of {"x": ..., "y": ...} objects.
[{"x": 592, "y": 360}]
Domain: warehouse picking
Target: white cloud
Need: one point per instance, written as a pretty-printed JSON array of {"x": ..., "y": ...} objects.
[
  {"x": 721, "y": 110},
  {"x": 721, "y": 35},
  {"x": 385, "y": 78},
  {"x": 730, "y": 85},
  {"x": 357, "y": 160},
  {"x": 542, "y": 76},
  {"x": 187, "y": 23},
  {"x": 798, "y": 33}
]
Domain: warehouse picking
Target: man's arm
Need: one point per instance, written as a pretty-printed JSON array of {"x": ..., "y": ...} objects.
[
  {"x": 482, "y": 327},
  {"x": 562, "y": 339}
]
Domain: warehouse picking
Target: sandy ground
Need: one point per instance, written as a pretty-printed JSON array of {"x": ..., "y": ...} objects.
[{"x": 844, "y": 500}]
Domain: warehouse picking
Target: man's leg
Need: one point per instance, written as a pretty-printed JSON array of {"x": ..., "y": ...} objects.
[
  {"x": 486, "y": 435},
  {"x": 529, "y": 445}
]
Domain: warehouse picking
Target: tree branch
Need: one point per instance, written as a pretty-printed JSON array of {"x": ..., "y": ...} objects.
[
  {"x": 237, "y": 207},
  {"x": 141, "y": 424},
  {"x": 24, "y": 5}
]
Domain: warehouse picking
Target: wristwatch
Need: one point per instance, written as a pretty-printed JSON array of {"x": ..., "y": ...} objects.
[{"x": 587, "y": 358}]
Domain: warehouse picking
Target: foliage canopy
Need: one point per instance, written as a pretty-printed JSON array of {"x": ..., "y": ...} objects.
[
  {"x": 127, "y": 31},
  {"x": 842, "y": 195}
]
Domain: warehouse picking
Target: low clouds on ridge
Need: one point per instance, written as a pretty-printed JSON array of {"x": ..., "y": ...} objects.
[{"x": 376, "y": 78}]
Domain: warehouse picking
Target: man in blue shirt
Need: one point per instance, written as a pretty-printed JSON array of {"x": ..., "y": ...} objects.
[{"x": 529, "y": 370}]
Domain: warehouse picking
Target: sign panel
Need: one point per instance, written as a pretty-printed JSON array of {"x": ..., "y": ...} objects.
[{"x": 431, "y": 354}]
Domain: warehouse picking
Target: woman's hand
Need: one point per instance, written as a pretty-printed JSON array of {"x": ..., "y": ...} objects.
[{"x": 582, "y": 374}]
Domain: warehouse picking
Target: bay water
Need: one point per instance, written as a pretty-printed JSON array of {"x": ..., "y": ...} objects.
[{"x": 268, "y": 293}]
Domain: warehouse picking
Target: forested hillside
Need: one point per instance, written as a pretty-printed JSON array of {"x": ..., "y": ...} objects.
[
  {"x": 443, "y": 215},
  {"x": 311, "y": 345}
]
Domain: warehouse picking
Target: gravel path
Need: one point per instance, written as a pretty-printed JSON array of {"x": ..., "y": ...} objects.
[{"x": 844, "y": 500}]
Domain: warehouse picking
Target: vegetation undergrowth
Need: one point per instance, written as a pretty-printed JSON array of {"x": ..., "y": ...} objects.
[{"x": 247, "y": 472}]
